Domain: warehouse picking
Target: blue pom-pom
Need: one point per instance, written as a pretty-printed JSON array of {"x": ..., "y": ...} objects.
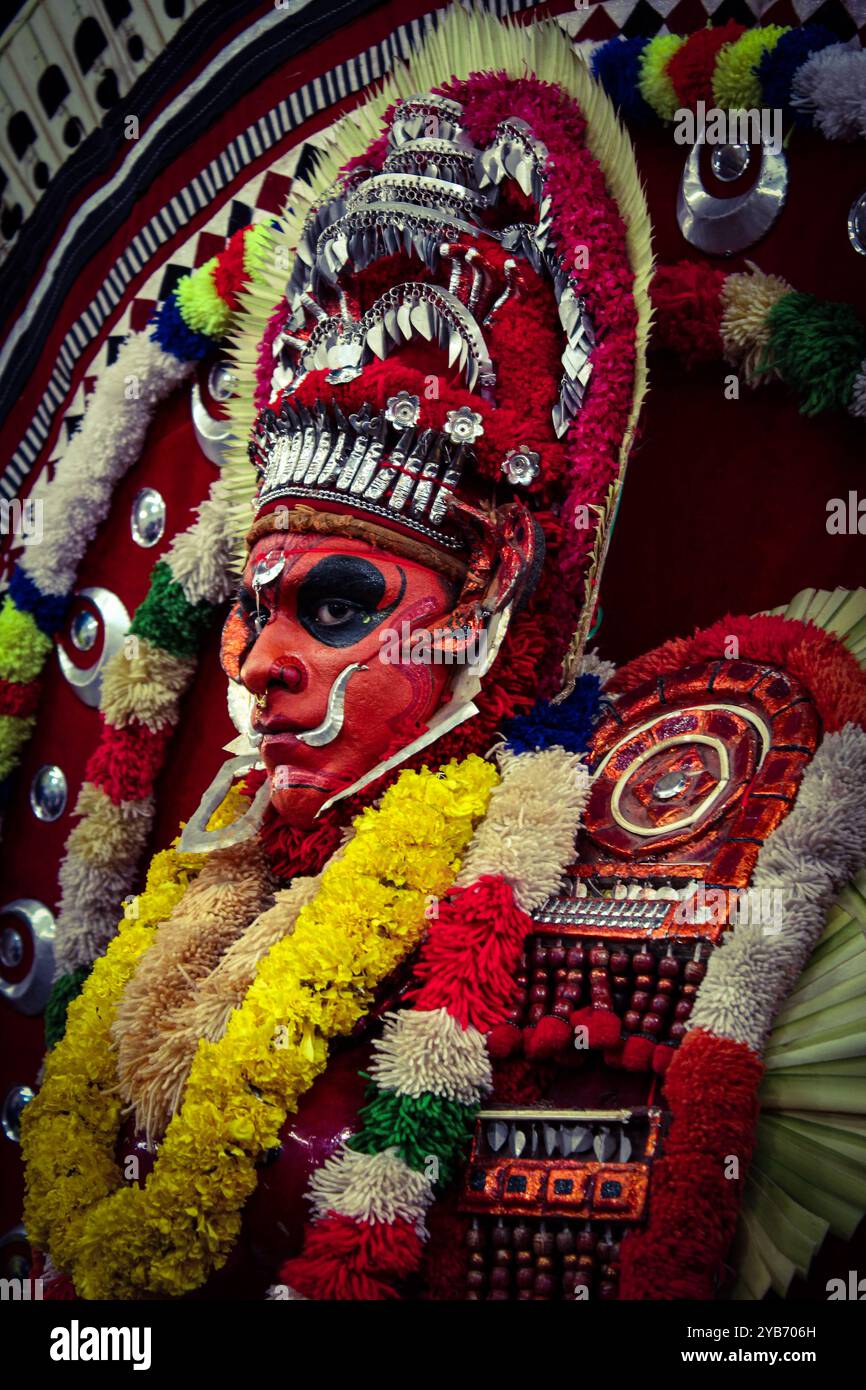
[
  {"x": 173, "y": 336},
  {"x": 778, "y": 65},
  {"x": 46, "y": 610},
  {"x": 567, "y": 725},
  {"x": 615, "y": 65}
]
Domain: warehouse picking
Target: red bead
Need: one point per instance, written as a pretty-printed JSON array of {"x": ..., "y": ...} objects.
[
  {"x": 562, "y": 1009},
  {"x": 669, "y": 967},
  {"x": 536, "y": 1014},
  {"x": 539, "y": 975},
  {"x": 660, "y": 1004},
  {"x": 556, "y": 955},
  {"x": 652, "y": 1024},
  {"x": 695, "y": 971},
  {"x": 640, "y": 999},
  {"x": 500, "y": 1278},
  {"x": 522, "y": 1236},
  {"x": 599, "y": 955},
  {"x": 574, "y": 957},
  {"x": 631, "y": 1021},
  {"x": 677, "y": 1031},
  {"x": 538, "y": 993},
  {"x": 666, "y": 986},
  {"x": 476, "y": 1279},
  {"x": 586, "y": 1242},
  {"x": 688, "y": 991},
  {"x": 544, "y": 1286},
  {"x": 644, "y": 982},
  {"x": 683, "y": 1009},
  {"x": 525, "y": 1277},
  {"x": 620, "y": 982},
  {"x": 514, "y": 1015},
  {"x": 642, "y": 962},
  {"x": 619, "y": 961},
  {"x": 565, "y": 1241},
  {"x": 607, "y": 1290}
]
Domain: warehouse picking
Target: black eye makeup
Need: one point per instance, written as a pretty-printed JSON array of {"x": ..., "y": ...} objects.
[{"x": 338, "y": 600}]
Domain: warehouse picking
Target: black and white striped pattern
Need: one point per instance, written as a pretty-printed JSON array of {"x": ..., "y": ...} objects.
[{"x": 203, "y": 190}]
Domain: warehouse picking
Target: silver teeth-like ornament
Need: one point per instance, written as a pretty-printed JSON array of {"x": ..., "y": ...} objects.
[
  {"x": 406, "y": 482},
  {"x": 308, "y": 448},
  {"x": 385, "y": 476},
  {"x": 336, "y": 458},
  {"x": 320, "y": 455},
  {"x": 353, "y": 462},
  {"x": 370, "y": 462},
  {"x": 424, "y": 487}
]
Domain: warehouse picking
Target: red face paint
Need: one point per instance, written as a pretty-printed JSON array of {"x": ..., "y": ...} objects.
[{"x": 317, "y": 652}]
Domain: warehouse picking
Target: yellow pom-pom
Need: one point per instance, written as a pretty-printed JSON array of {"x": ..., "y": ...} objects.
[
  {"x": 655, "y": 86},
  {"x": 200, "y": 306},
  {"x": 735, "y": 83},
  {"x": 23, "y": 648},
  {"x": 14, "y": 733}
]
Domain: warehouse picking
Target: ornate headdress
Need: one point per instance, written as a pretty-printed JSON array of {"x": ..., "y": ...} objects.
[{"x": 445, "y": 339}]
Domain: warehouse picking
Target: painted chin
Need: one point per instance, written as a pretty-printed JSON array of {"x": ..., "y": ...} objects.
[{"x": 298, "y": 786}]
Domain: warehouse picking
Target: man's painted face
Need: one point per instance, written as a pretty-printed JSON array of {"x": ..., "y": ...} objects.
[{"x": 307, "y": 638}]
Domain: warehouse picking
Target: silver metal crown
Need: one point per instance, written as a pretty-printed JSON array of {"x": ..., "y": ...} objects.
[
  {"x": 381, "y": 464},
  {"x": 433, "y": 189}
]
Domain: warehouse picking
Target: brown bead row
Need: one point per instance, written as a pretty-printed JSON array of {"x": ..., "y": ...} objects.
[
  {"x": 651, "y": 994},
  {"x": 524, "y": 1260}
]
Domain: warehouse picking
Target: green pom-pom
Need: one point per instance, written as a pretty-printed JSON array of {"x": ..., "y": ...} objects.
[
  {"x": 817, "y": 347},
  {"x": 64, "y": 990},
  {"x": 736, "y": 85},
  {"x": 421, "y": 1128},
  {"x": 653, "y": 82},
  {"x": 167, "y": 618},
  {"x": 201, "y": 307},
  {"x": 14, "y": 733},
  {"x": 23, "y": 648}
]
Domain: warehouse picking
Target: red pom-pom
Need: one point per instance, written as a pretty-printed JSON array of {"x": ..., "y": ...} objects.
[
  {"x": 504, "y": 1040},
  {"x": 229, "y": 273},
  {"x": 604, "y": 1028},
  {"x": 662, "y": 1057},
  {"x": 347, "y": 1259},
  {"x": 549, "y": 1036},
  {"x": 691, "y": 67},
  {"x": 637, "y": 1055},
  {"x": 688, "y": 311},
  {"x": 126, "y": 761}
]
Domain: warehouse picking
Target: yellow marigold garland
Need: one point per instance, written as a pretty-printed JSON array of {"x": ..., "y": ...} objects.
[{"x": 165, "y": 1238}]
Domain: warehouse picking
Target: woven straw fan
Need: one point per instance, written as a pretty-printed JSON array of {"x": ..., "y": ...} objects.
[{"x": 808, "y": 1176}]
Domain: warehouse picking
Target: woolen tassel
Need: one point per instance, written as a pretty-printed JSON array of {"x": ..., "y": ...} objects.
[
  {"x": 347, "y": 1259},
  {"x": 637, "y": 1054},
  {"x": 691, "y": 68},
  {"x": 548, "y": 1038},
  {"x": 504, "y": 1040},
  {"x": 816, "y": 346},
  {"x": 688, "y": 311},
  {"x": 471, "y": 954},
  {"x": 662, "y": 1057},
  {"x": 603, "y": 1027}
]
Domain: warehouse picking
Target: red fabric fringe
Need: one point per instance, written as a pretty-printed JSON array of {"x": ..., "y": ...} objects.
[
  {"x": 688, "y": 311},
  {"x": 827, "y": 669},
  {"x": 712, "y": 1092},
  {"x": 468, "y": 963},
  {"x": 347, "y": 1259},
  {"x": 126, "y": 761}
]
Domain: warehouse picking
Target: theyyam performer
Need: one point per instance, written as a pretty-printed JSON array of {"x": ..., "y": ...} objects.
[{"x": 469, "y": 975}]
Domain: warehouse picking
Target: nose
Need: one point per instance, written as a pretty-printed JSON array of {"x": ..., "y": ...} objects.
[{"x": 269, "y": 664}]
